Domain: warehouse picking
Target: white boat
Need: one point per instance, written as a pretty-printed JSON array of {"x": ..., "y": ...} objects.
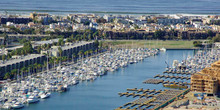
[
  {"x": 44, "y": 95},
  {"x": 163, "y": 49},
  {"x": 17, "y": 105},
  {"x": 75, "y": 82},
  {"x": 32, "y": 99},
  {"x": 7, "y": 106}
]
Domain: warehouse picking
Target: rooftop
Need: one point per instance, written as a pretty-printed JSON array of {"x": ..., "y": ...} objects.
[
  {"x": 66, "y": 47},
  {"x": 47, "y": 41},
  {"x": 28, "y": 35},
  {"x": 13, "y": 61}
]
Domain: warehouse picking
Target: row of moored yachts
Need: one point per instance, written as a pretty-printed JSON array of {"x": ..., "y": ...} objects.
[{"x": 201, "y": 60}]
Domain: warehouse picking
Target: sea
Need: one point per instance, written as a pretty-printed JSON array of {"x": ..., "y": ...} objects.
[
  {"x": 102, "y": 94},
  {"x": 112, "y": 6}
]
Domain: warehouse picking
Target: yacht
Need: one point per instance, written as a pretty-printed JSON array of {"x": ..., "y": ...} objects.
[
  {"x": 17, "y": 105},
  {"x": 45, "y": 95},
  {"x": 32, "y": 99},
  {"x": 6, "y": 105}
]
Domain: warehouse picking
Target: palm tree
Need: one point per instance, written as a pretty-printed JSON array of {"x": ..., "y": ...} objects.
[
  {"x": 73, "y": 57},
  {"x": 80, "y": 53},
  {"x": 60, "y": 51},
  {"x": 7, "y": 75},
  {"x": 31, "y": 67},
  {"x": 90, "y": 51},
  {"x": 85, "y": 53},
  {"x": 25, "y": 70},
  {"x": 22, "y": 71},
  {"x": 35, "y": 67},
  {"x": 45, "y": 65},
  {"x": 13, "y": 72},
  {"x": 3, "y": 57},
  {"x": 39, "y": 66}
]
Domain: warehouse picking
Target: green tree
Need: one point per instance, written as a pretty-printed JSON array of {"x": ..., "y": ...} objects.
[
  {"x": 60, "y": 42},
  {"x": 68, "y": 40},
  {"x": 39, "y": 67},
  {"x": 81, "y": 53},
  {"x": 36, "y": 67},
  {"x": 216, "y": 38},
  {"x": 90, "y": 51},
  {"x": 28, "y": 47},
  {"x": 13, "y": 72},
  {"x": 73, "y": 57},
  {"x": 7, "y": 75},
  {"x": 197, "y": 44},
  {"x": 210, "y": 33},
  {"x": 159, "y": 34},
  {"x": 96, "y": 45},
  {"x": 60, "y": 51},
  {"x": 38, "y": 49},
  {"x": 95, "y": 35},
  {"x": 3, "y": 57}
]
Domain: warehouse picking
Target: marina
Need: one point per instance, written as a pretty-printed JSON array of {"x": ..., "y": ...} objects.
[
  {"x": 109, "y": 55},
  {"x": 189, "y": 66},
  {"x": 120, "y": 78},
  {"x": 32, "y": 88}
]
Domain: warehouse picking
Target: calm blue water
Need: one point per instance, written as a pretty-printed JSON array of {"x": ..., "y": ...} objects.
[
  {"x": 114, "y": 6},
  {"x": 102, "y": 94}
]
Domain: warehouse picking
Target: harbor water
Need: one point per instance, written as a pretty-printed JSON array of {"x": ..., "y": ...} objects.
[{"x": 102, "y": 94}]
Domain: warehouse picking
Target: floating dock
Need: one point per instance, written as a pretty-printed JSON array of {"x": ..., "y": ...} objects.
[
  {"x": 153, "y": 81},
  {"x": 155, "y": 102},
  {"x": 183, "y": 73},
  {"x": 172, "y": 77},
  {"x": 140, "y": 93},
  {"x": 158, "y": 81}
]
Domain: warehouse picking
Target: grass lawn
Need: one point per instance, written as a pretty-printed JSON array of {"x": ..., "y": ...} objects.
[{"x": 169, "y": 44}]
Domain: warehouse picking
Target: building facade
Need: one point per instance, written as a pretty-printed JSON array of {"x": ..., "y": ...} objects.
[
  {"x": 21, "y": 62},
  {"x": 15, "y": 20},
  {"x": 69, "y": 50},
  {"x": 208, "y": 80}
]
